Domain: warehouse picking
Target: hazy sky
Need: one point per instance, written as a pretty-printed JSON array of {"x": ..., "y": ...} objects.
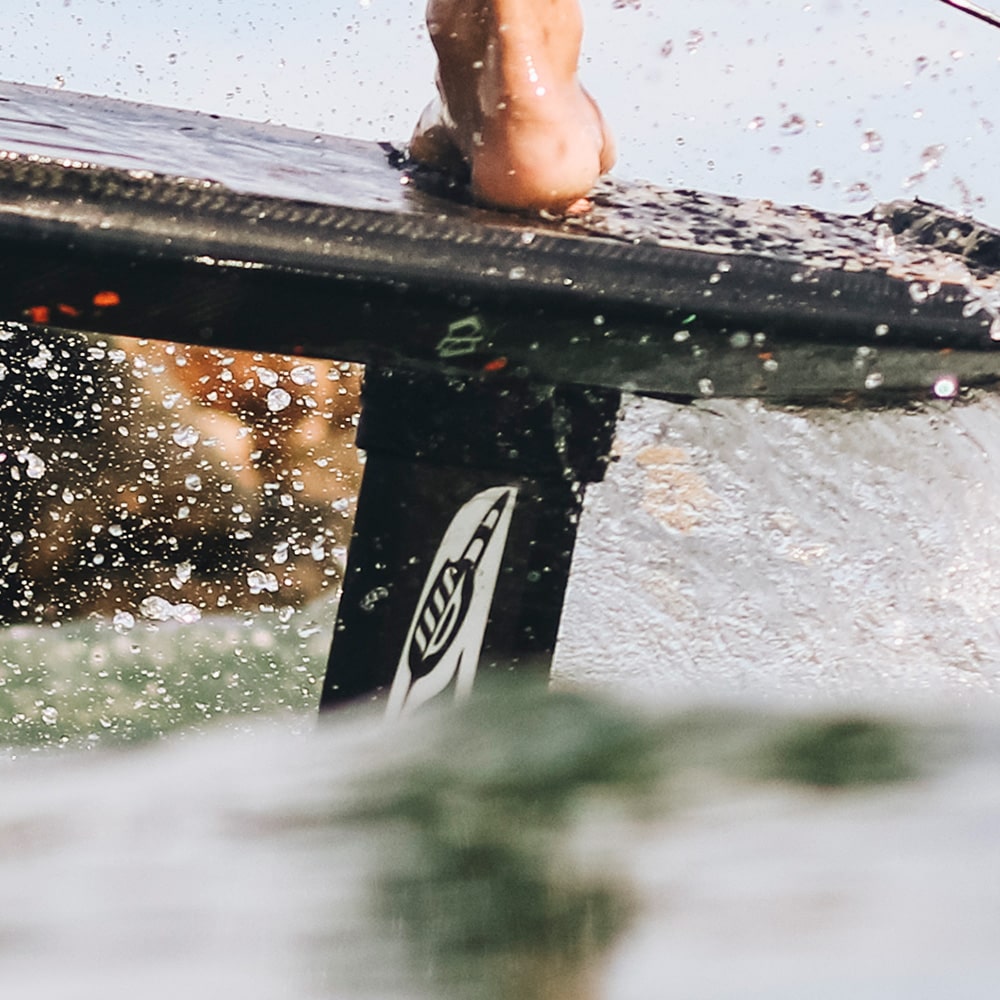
[{"x": 835, "y": 102}]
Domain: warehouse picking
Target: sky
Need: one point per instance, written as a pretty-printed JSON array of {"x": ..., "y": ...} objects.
[{"x": 833, "y": 103}]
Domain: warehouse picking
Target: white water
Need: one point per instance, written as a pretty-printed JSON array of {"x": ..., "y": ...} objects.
[
  {"x": 217, "y": 865},
  {"x": 737, "y": 548}
]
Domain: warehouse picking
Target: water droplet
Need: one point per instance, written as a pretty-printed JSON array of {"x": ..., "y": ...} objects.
[
  {"x": 667, "y": 48},
  {"x": 740, "y": 339},
  {"x": 259, "y": 582},
  {"x": 186, "y": 436},
  {"x": 192, "y": 482},
  {"x": 186, "y": 614},
  {"x": 793, "y": 125},
  {"x": 372, "y": 598},
  {"x": 50, "y": 715},
  {"x": 874, "y": 380},
  {"x": 266, "y": 376},
  {"x": 34, "y": 466},
  {"x": 277, "y": 400},
  {"x": 881, "y": 330},
  {"x": 946, "y": 387},
  {"x": 156, "y": 608},
  {"x": 858, "y": 192},
  {"x": 694, "y": 40},
  {"x": 930, "y": 158},
  {"x": 303, "y": 375},
  {"x": 755, "y": 123},
  {"x": 816, "y": 177},
  {"x": 706, "y": 387},
  {"x": 872, "y": 142},
  {"x": 123, "y": 621},
  {"x": 517, "y": 273}
]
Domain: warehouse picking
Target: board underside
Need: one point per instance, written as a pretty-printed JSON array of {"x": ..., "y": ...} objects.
[{"x": 119, "y": 218}]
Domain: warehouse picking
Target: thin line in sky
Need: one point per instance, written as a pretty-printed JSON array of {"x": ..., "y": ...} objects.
[{"x": 975, "y": 10}]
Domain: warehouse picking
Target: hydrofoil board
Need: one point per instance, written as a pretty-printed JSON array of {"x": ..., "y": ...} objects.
[{"x": 126, "y": 219}]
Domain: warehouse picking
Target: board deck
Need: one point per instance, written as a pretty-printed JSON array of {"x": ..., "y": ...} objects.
[{"x": 126, "y": 219}]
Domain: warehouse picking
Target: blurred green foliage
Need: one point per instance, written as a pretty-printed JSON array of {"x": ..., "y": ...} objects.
[{"x": 834, "y": 753}]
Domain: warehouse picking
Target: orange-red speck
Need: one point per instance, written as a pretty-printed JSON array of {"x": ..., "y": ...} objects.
[{"x": 105, "y": 299}]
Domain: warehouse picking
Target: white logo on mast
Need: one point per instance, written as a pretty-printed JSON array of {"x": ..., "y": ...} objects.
[{"x": 446, "y": 633}]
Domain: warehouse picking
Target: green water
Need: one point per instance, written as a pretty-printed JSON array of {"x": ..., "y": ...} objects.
[{"x": 88, "y": 683}]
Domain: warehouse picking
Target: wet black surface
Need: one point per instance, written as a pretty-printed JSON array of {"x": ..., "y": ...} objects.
[{"x": 219, "y": 231}]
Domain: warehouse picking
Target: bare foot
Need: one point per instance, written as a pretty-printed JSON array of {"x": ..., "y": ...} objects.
[{"x": 510, "y": 103}]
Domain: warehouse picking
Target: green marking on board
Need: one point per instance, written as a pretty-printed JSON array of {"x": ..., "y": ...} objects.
[{"x": 463, "y": 337}]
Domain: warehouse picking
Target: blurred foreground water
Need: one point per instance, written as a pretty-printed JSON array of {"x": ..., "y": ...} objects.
[{"x": 529, "y": 844}]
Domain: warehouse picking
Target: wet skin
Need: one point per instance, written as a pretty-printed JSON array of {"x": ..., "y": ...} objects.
[{"x": 510, "y": 105}]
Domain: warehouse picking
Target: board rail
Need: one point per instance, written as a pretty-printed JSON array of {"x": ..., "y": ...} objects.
[{"x": 662, "y": 293}]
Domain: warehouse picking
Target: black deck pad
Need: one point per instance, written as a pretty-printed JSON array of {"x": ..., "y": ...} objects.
[{"x": 121, "y": 218}]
